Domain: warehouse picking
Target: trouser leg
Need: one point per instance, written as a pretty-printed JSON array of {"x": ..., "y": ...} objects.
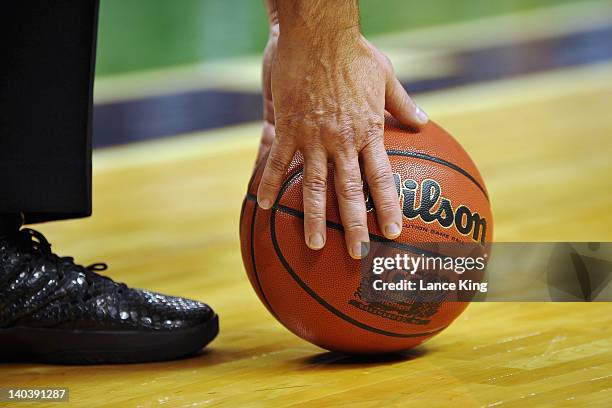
[{"x": 46, "y": 82}]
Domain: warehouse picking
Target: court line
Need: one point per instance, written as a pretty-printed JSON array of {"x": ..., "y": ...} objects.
[
  {"x": 517, "y": 90},
  {"x": 195, "y": 110},
  {"x": 479, "y": 97},
  {"x": 149, "y": 118}
]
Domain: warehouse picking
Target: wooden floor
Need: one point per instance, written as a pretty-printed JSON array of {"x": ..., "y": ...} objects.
[{"x": 166, "y": 218}]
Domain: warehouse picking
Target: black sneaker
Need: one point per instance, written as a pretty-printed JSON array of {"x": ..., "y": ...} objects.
[{"x": 53, "y": 310}]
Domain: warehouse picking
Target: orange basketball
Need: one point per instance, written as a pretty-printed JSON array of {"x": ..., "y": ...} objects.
[{"x": 315, "y": 294}]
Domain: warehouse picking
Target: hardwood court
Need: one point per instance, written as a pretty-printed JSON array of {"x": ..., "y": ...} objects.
[{"x": 166, "y": 218}]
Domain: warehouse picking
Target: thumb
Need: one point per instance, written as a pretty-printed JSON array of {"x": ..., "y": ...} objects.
[{"x": 401, "y": 106}]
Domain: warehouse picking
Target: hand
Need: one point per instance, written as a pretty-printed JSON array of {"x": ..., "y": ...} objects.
[
  {"x": 268, "y": 133},
  {"x": 329, "y": 99}
]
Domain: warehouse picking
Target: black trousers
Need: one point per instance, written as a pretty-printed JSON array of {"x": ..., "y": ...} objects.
[{"x": 47, "y": 60}]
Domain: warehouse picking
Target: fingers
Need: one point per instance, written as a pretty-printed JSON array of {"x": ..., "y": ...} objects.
[
  {"x": 401, "y": 106},
  {"x": 280, "y": 156},
  {"x": 351, "y": 202},
  {"x": 377, "y": 171},
  {"x": 267, "y": 137},
  {"x": 314, "y": 191}
]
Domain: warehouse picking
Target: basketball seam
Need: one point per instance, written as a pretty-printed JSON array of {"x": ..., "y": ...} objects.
[
  {"x": 424, "y": 156},
  {"x": 339, "y": 227},
  {"x": 242, "y": 209},
  {"x": 325, "y": 304},
  {"x": 263, "y": 294}
]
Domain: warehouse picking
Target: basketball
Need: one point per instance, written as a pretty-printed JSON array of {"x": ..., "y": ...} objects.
[{"x": 315, "y": 294}]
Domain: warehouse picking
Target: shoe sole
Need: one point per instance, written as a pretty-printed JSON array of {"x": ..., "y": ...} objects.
[{"x": 83, "y": 347}]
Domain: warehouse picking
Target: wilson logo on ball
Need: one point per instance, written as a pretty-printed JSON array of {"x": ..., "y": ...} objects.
[{"x": 433, "y": 207}]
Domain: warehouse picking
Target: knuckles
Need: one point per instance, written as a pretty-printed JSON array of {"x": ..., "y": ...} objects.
[
  {"x": 351, "y": 190},
  {"x": 315, "y": 216},
  {"x": 267, "y": 184},
  {"x": 276, "y": 165},
  {"x": 376, "y": 127},
  {"x": 343, "y": 135},
  {"x": 388, "y": 207},
  {"x": 355, "y": 225},
  {"x": 381, "y": 178},
  {"x": 347, "y": 131},
  {"x": 315, "y": 183}
]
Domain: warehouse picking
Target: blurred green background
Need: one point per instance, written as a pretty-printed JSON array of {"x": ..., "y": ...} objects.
[{"x": 148, "y": 34}]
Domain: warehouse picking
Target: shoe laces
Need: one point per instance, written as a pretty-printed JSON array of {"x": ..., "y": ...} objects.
[{"x": 38, "y": 248}]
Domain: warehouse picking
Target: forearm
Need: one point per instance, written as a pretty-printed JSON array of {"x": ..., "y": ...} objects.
[{"x": 318, "y": 21}]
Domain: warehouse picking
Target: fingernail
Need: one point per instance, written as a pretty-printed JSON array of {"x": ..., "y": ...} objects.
[
  {"x": 392, "y": 230},
  {"x": 315, "y": 241},
  {"x": 265, "y": 203},
  {"x": 360, "y": 250},
  {"x": 421, "y": 116}
]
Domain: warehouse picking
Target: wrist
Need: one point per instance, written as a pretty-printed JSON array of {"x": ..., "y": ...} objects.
[
  {"x": 339, "y": 48},
  {"x": 305, "y": 38}
]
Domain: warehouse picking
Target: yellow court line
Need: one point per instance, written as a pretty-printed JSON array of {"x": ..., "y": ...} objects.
[
  {"x": 520, "y": 89},
  {"x": 465, "y": 99},
  {"x": 420, "y": 53}
]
